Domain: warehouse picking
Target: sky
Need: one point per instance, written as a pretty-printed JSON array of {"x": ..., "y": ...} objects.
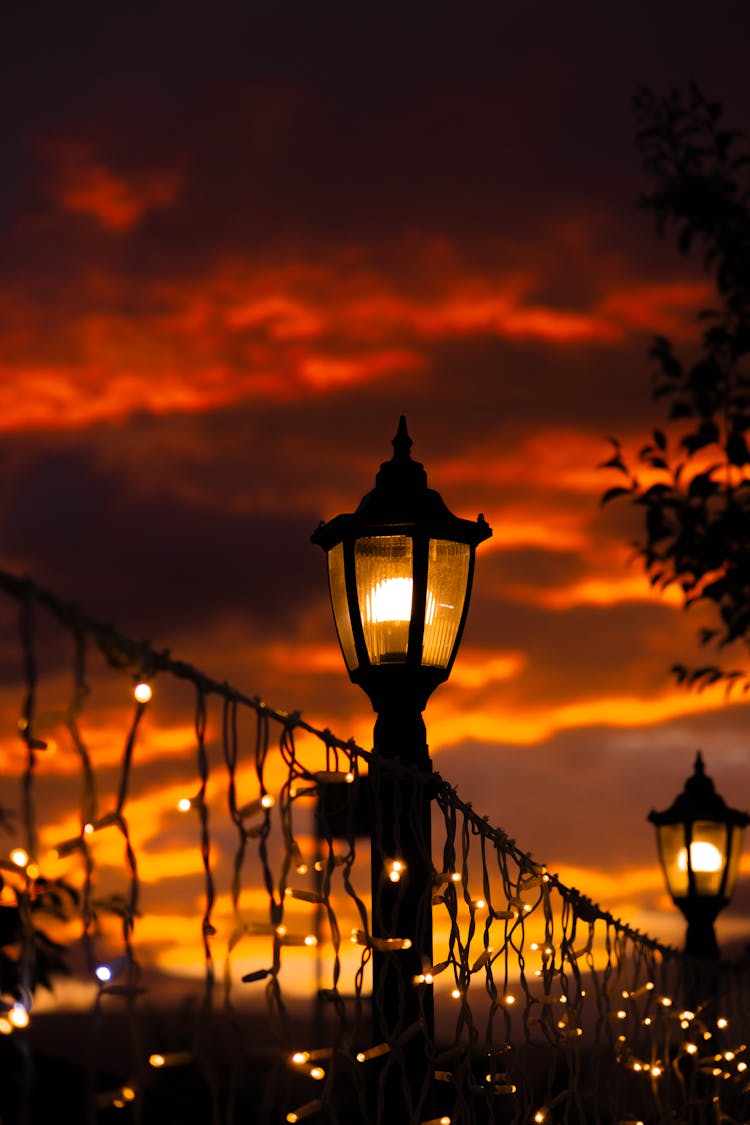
[{"x": 237, "y": 244}]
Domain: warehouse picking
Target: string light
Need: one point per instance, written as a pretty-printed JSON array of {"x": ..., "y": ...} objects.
[
  {"x": 142, "y": 692},
  {"x": 18, "y": 1016},
  {"x": 173, "y": 1058},
  {"x": 19, "y": 856},
  {"x": 304, "y": 1111},
  {"x": 514, "y": 875},
  {"x": 395, "y": 869},
  {"x": 373, "y": 1052}
]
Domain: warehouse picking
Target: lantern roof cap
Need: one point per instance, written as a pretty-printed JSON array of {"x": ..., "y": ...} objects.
[
  {"x": 699, "y": 801},
  {"x": 402, "y": 500}
]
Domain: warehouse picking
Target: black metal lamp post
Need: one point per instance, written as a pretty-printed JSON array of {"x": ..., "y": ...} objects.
[
  {"x": 700, "y": 840},
  {"x": 400, "y": 570}
]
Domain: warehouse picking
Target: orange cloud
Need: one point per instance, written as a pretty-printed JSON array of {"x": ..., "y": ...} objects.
[
  {"x": 525, "y": 724},
  {"x": 114, "y": 345},
  {"x": 118, "y": 202}
]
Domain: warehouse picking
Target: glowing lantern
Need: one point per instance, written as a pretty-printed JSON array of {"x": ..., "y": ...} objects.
[
  {"x": 400, "y": 570},
  {"x": 699, "y": 839}
]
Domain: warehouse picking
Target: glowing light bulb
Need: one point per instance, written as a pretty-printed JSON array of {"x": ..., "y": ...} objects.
[
  {"x": 184, "y": 804},
  {"x": 267, "y": 801},
  {"x": 311, "y": 939},
  {"x": 156, "y": 1060},
  {"x": 88, "y": 829},
  {"x": 32, "y": 870},
  {"x": 6, "y": 1027},
  {"x": 317, "y": 1073},
  {"x": 103, "y": 973},
  {"x": 20, "y": 857},
  {"x": 128, "y": 1093},
  {"x": 142, "y": 692},
  {"x": 18, "y": 1016},
  {"x": 509, "y": 998},
  {"x": 389, "y": 600},
  {"x": 704, "y": 857},
  {"x": 691, "y": 1048},
  {"x": 721, "y": 1022},
  {"x": 456, "y": 993}
]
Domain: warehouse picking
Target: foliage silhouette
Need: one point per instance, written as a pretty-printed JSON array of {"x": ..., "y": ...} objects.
[
  {"x": 29, "y": 958},
  {"x": 692, "y": 483}
]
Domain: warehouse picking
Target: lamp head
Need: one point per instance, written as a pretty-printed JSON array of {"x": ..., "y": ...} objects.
[{"x": 400, "y": 570}]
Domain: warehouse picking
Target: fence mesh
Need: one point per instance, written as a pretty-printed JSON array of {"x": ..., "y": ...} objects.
[{"x": 220, "y": 967}]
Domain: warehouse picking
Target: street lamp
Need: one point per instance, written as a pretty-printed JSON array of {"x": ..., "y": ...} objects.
[
  {"x": 699, "y": 839},
  {"x": 400, "y": 570}
]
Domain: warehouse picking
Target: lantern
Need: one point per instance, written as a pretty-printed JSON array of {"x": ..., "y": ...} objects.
[
  {"x": 699, "y": 840},
  {"x": 400, "y": 570}
]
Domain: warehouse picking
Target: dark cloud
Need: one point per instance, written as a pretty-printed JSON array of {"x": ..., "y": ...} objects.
[{"x": 136, "y": 554}]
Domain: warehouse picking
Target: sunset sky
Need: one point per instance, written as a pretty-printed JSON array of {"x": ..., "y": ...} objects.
[{"x": 237, "y": 243}]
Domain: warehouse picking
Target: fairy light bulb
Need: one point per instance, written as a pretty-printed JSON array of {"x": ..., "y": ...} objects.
[
  {"x": 395, "y": 869},
  {"x": 184, "y": 804},
  {"x": 267, "y": 801},
  {"x": 156, "y": 1060},
  {"x": 103, "y": 973},
  {"x": 6, "y": 1027},
  {"x": 19, "y": 856},
  {"x": 722, "y": 1023},
  {"x": 18, "y": 1016},
  {"x": 142, "y": 692}
]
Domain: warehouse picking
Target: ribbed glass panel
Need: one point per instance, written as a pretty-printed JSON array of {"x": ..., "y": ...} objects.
[
  {"x": 734, "y": 860},
  {"x": 385, "y": 584},
  {"x": 337, "y": 583},
  {"x": 447, "y": 577},
  {"x": 707, "y": 857}
]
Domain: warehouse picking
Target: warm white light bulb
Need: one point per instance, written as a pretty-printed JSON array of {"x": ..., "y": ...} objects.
[
  {"x": 142, "y": 692},
  {"x": 184, "y": 804},
  {"x": 103, "y": 973},
  {"x": 18, "y": 1016},
  {"x": 19, "y": 856},
  {"x": 704, "y": 857},
  {"x": 389, "y": 600}
]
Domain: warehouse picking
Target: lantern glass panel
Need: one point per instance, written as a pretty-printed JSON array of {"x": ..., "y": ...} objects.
[
  {"x": 337, "y": 584},
  {"x": 447, "y": 579},
  {"x": 383, "y": 566},
  {"x": 707, "y": 857},
  {"x": 735, "y": 847}
]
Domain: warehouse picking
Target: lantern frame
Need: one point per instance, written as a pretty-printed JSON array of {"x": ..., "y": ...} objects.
[
  {"x": 696, "y": 813},
  {"x": 401, "y": 506}
]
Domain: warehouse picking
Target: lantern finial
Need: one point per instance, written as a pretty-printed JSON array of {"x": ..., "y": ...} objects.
[{"x": 402, "y": 443}]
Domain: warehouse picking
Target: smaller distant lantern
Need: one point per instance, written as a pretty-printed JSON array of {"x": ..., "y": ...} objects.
[{"x": 699, "y": 839}]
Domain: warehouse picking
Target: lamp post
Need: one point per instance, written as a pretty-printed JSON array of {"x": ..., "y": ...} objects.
[
  {"x": 400, "y": 570},
  {"x": 699, "y": 839}
]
